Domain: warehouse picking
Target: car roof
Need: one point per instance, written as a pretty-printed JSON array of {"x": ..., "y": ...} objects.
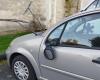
[
  {"x": 90, "y": 2},
  {"x": 79, "y": 14}
]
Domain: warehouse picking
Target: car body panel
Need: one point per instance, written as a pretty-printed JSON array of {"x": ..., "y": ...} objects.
[
  {"x": 32, "y": 47},
  {"x": 68, "y": 57},
  {"x": 79, "y": 14},
  {"x": 28, "y": 47},
  {"x": 29, "y": 56},
  {"x": 51, "y": 67}
]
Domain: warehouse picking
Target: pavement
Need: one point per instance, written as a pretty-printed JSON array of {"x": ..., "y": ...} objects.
[{"x": 5, "y": 71}]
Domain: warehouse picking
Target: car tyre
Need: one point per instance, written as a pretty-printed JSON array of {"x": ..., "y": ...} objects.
[{"x": 23, "y": 69}]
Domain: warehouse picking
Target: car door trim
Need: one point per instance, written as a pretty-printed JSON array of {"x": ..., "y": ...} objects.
[
  {"x": 67, "y": 73},
  {"x": 41, "y": 78}
]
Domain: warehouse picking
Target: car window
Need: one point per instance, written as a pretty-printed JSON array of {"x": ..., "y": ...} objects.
[
  {"x": 55, "y": 34},
  {"x": 93, "y": 5},
  {"x": 98, "y": 5},
  {"x": 82, "y": 32}
]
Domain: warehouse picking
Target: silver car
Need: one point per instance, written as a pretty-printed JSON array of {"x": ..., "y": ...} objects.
[
  {"x": 94, "y": 4},
  {"x": 68, "y": 51}
]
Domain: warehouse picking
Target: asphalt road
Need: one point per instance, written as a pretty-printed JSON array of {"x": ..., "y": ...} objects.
[{"x": 5, "y": 72}]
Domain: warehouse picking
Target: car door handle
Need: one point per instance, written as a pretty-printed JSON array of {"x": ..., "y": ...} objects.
[{"x": 96, "y": 60}]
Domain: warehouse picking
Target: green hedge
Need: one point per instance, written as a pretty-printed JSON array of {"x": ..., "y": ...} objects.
[{"x": 5, "y": 40}]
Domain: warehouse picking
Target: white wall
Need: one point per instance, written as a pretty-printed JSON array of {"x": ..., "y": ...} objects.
[{"x": 49, "y": 11}]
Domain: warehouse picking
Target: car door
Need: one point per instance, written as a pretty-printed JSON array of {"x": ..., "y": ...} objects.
[{"x": 73, "y": 54}]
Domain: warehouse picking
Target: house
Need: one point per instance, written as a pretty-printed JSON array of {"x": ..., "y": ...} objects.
[{"x": 48, "y": 12}]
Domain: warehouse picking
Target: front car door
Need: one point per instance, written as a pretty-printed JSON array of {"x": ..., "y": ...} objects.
[{"x": 77, "y": 53}]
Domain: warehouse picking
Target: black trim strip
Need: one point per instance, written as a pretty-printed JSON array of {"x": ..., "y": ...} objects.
[{"x": 79, "y": 46}]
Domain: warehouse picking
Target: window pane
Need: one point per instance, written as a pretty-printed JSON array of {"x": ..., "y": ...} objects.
[
  {"x": 82, "y": 31},
  {"x": 92, "y": 6},
  {"x": 98, "y": 6},
  {"x": 56, "y": 33}
]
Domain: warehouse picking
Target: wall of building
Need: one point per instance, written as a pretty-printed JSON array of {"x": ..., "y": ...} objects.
[
  {"x": 48, "y": 12},
  {"x": 72, "y": 6},
  {"x": 13, "y": 9},
  {"x": 60, "y": 9},
  {"x": 55, "y": 11}
]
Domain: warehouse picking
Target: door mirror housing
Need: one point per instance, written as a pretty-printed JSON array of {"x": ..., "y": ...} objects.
[
  {"x": 49, "y": 53},
  {"x": 53, "y": 42}
]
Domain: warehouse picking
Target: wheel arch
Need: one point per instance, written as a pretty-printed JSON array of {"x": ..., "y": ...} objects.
[{"x": 29, "y": 56}]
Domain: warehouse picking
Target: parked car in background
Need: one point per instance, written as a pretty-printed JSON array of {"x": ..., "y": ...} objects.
[
  {"x": 68, "y": 51},
  {"x": 94, "y": 4}
]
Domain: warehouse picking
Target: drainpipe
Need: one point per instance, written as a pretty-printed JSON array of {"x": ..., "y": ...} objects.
[
  {"x": 55, "y": 5},
  {"x": 49, "y": 10},
  {"x": 48, "y": 13}
]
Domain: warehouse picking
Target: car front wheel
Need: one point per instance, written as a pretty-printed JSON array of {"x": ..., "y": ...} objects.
[{"x": 22, "y": 68}]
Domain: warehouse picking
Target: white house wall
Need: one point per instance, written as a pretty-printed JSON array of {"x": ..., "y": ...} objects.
[{"x": 49, "y": 12}]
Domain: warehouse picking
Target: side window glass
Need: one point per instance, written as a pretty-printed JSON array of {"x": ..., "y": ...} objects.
[
  {"x": 56, "y": 33},
  {"x": 83, "y": 31},
  {"x": 98, "y": 5},
  {"x": 90, "y": 27},
  {"x": 92, "y": 6}
]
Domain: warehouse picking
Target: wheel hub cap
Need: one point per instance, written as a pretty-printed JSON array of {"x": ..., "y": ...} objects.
[{"x": 21, "y": 70}]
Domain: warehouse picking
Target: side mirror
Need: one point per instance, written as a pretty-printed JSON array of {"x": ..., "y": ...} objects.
[
  {"x": 53, "y": 42},
  {"x": 49, "y": 53}
]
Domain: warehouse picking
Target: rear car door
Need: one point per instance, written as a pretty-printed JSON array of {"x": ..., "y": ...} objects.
[{"x": 77, "y": 55}]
